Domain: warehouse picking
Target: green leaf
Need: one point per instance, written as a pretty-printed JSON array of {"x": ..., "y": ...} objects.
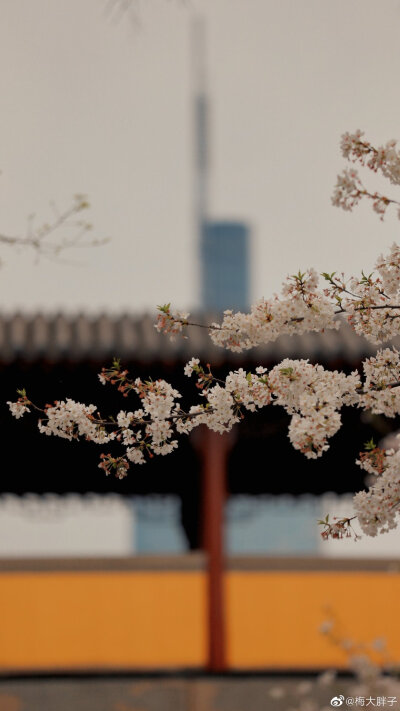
[
  {"x": 328, "y": 277},
  {"x": 286, "y": 371}
]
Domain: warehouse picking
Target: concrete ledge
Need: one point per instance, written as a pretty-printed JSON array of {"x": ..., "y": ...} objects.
[
  {"x": 168, "y": 563},
  {"x": 197, "y": 561},
  {"x": 208, "y": 694}
]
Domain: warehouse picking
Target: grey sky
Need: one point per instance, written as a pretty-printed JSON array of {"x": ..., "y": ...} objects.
[{"x": 92, "y": 106}]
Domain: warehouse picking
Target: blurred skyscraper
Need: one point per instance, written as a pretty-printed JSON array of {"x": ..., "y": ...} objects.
[
  {"x": 225, "y": 265},
  {"x": 224, "y": 245}
]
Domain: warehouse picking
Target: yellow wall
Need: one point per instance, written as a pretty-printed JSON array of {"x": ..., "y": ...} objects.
[
  {"x": 149, "y": 619},
  {"x": 112, "y": 619},
  {"x": 274, "y": 617}
]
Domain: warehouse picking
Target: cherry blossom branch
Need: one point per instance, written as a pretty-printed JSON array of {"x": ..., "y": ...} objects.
[
  {"x": 375, "y": 679},
  {"x": 385, "y": 158},
  {"x": 41, "y": 238},
  {"x": 349, "y": 190},
  {"x": 312, "y": 396}
]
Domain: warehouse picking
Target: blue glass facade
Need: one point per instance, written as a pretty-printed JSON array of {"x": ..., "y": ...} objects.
[{"x": 225, "y": 266}]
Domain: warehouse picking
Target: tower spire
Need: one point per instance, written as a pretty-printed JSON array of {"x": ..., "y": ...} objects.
[{"x": 200, "y": 122}]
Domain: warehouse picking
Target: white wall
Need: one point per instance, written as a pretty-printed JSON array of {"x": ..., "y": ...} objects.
[
  {"x": 69, "y": 525},
  {"x": 384, "y": 545}
]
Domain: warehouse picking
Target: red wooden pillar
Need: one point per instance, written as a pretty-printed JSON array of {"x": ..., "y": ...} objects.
[{"x": 215, "y": 449}]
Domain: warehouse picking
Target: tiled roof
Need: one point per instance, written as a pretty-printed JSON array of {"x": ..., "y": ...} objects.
[{"x": 134, "y": 338}]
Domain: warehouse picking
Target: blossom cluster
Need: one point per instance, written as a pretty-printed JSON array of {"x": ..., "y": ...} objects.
[
  {"x": 70, "y": 420},
  {"x": 18, "y": 408},
  {"x": 147, "y": 430},
  {"x": 300, "y": 308},
  {"x": 377, "y": 508},
  {"x": 384, "y": 158},
  {"x": 314, "y": 397},
  {"x": 349, "y": 189},
  {"x": 371, "y": 304},
  {"x": 382, "y": 383},
  {"x": 170, "y": 322}
]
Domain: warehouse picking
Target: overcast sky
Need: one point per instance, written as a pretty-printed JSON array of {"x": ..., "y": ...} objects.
[{"x": 99, "y": 107}]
